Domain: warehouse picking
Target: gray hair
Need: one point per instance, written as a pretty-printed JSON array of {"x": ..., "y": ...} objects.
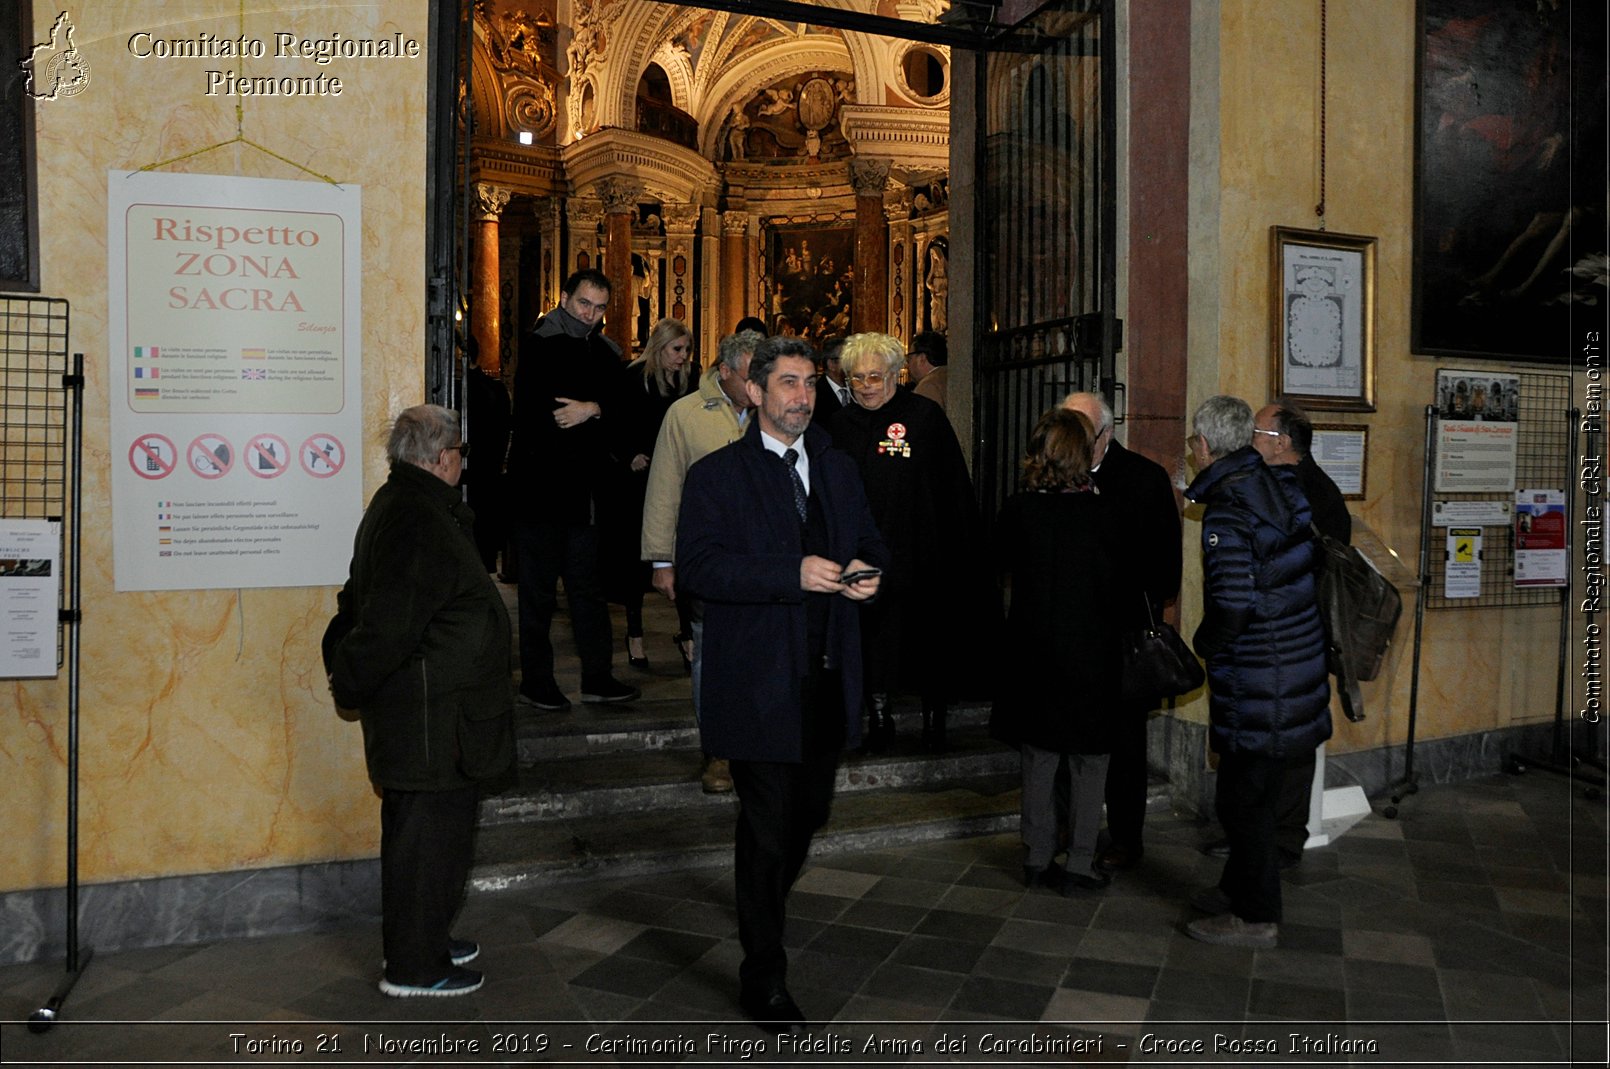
[
  {"x": 862, "y": 351},
  {"x": 1225, "y": 424},
  {"x": 1079, "y": 400},
  {"x": 1293, "y": 422},
  {"x": 420, "y": 434},
  {"x": 732, "y": 348}
]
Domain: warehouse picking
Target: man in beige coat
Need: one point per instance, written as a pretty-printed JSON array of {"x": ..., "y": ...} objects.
[{"x": 695, "y": 425}]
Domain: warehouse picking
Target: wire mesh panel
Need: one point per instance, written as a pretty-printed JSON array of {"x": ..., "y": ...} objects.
[
  {"x": 1542, "y": 461},
  {"x": 1044, "y": 229},
  {"x": 33, "y": 415}
]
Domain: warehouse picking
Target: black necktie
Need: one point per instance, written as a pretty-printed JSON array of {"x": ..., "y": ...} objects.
[{"x": 791, "y": 457}]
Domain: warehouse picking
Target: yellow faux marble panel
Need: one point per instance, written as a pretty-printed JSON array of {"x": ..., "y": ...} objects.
[
  {"x": 209, "y": 742},
  {"x": 1480, "y": 669}
]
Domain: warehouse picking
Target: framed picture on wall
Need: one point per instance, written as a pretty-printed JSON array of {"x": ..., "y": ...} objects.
[
  {"x": 1509, "y": 166},
  {"x": 811, "y": 277},
  {"x": 1322, "y": 318}
]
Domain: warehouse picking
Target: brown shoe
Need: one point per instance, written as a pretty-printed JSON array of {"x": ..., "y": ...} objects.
[{"x": 717, "y": 779}]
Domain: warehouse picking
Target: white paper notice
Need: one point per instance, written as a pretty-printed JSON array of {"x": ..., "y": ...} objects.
[
  {"x": 235, "y": 327},
  {"x": 30, "y": 592},
  {"x": 1462, "y": 571},
  {"x": 1475, "y": 456}
]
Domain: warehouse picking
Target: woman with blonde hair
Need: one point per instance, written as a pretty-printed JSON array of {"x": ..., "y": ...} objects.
[
  {"x": 1059, "y": 663},
  {"x": 647, "y": 387},
  {"x": 934, "y": 593}
]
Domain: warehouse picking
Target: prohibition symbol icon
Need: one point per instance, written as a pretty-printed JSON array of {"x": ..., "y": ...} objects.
[
  {"x": 267, "y": 456},
  {"x": 322, "y": 455},
  {"x": 210, "y": 456},
  {"x": 153, "y": 456}
]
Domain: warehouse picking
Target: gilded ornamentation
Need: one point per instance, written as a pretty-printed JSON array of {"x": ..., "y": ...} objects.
[
  {"x": 869, "y": 177},
  {"x": 619, "y": 195},
  {"x": 490, "y": 200}
]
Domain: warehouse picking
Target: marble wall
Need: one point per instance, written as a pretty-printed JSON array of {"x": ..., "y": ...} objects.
[
  {"x": 209, "y": 743},
  {"x": 1255, "y": 159}
]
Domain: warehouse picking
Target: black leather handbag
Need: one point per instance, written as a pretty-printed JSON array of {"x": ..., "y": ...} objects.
[{"x": 1158, "y": 664}]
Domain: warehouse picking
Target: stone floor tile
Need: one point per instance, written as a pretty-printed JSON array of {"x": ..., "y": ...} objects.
[
  {"x": 1283, "y": 999},
  {"x": 663, "y": 945},
  {"x": 932, "y": 952},
  {"x": 589, "y": 931},
  {"x": 1401, "y": 947},
  {"x": 1110, "y": 977},
  {"x": 1037, "y": 937},
  {"x": 1010, "y": 1000},
  {"x": 905, "y": 983},
  {"x": 1121, "y": 1015},
  {"x": 970, "y": 927},
  {"x": 887, "y": 916},
  {"x": 908, "y": 892},
  {"x": 1022, "y": 965},
  {"x": 622, "y": 975},
  {"x": 843, "y": 940},
  {"x": 836, "y": 882},
  {"x": 1137, "y": 948},
  {"x": 1287, "y": 963},
  {"x": 1223, "y": 993}
]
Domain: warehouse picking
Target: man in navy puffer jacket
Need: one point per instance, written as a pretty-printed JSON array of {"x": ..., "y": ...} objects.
[{"x": 1264, "y": 643}]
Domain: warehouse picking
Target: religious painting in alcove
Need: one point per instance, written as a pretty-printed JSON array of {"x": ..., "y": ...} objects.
[
  {"x": 1509, "y": 244},
  {"x": 936, "y": 285},
  {"x": 791, "y": 120},
  {"x": 811, "y": 277}
]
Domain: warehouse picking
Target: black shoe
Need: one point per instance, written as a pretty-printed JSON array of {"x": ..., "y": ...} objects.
[
  {"x": 1086, "y": 881},
  {"x": 636, "y": 662},
  {"x": 1217, "y": 848},
  {"x": 1050, "y": 877},
  {"x": 880, "y": 725},
  {"x": 463, "y": 951},
  {"x": 1119, "y": 858},
  {"x": 774, "y": 1010},
  {"x": 683, "y": 640},
  {"x": 457, "y": 982},
  {"x": 934, "y": 718},
  {"x": 606, "y": 690},
  {"x": 546, "y": 695}
]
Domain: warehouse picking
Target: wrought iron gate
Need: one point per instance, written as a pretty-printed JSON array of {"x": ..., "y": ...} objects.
[{"x": 1047, "y": 222}]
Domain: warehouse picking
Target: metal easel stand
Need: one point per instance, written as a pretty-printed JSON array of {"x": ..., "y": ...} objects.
[
  {"x": 1563, "y": 759},
  {"x": 78, "y": 959},
  {"x": 1409, "y": 784}
]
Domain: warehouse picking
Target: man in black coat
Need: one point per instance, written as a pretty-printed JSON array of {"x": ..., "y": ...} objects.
[
  {"x": 557, "y": 470},
  {"x": 767, "y": 527},
  {"x": 1139, "y": 490},
  {"x": 420, "y": 647},
  {"x": 832, "y": 392}
]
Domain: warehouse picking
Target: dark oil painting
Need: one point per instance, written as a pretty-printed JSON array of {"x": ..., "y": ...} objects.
[
  {"x": 1509, "y": 242},
  {"x": 809, "y": 279}
]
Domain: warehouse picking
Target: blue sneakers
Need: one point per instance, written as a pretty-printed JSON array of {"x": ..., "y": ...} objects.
[{"x": 458, "y": 982}]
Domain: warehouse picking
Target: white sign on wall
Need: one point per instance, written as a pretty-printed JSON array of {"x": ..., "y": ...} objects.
[
  {"x": 235, "y": 327},
  {"x": 30, "y": 591}
]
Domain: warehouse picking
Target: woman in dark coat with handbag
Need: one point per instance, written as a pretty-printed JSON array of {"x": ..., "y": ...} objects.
[
  {"x": 934, "y": 596},
  {"x": 1060, "y": 676},
  {"x": 647, "y": 388}
]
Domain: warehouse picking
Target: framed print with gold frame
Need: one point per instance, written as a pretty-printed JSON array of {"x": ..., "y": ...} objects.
[{"x": 1322, "y": 318}]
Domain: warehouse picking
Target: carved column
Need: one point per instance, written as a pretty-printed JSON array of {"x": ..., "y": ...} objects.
[
  {"x": 550, "y": 269},
  {"x": 734, "y": 226},
  {"x": 582, "y": 217},
  {"x": 897, "y": 210},
  {"x": 681, "y": 221},
  {"x": 620, "y": 208},
  {"x": 485, "y": 307},
  {"x": 868, "y": 178}
]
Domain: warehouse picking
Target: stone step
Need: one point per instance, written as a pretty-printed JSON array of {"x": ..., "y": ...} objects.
[
  {"x": 656, "y": 724},
  {"x": 664, "y": 840},
  {"x": 650, "y": 778}
]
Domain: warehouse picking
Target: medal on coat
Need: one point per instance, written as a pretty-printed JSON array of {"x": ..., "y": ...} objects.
[{"x": 895, "y": 445}]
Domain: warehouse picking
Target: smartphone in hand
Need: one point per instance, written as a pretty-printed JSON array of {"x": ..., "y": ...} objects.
[{"x": 859, "y": 574}]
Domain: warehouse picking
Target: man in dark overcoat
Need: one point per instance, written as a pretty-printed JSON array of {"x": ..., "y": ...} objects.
[
  {"x": 420, "y": 647},
  {"x": 557, "y": 471},
  {"x": 767, "y": 527},
  {"x": 1139, "y": 490}
]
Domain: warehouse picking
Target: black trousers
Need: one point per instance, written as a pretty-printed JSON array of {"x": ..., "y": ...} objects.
[
  {"x": 426, "y": 843},
  {"x": 548, "y": 551},
  {"x": 780, "y": 807},
  {"x": 1127, "y": 779},
  {"x": 1247, "y": 796},
  {"x": 1291, "y": 810}
]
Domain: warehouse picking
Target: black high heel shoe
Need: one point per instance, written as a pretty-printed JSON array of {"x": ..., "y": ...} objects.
[
  {"x": 681, "y": 638},
  {"x": 635, "y": 662}
]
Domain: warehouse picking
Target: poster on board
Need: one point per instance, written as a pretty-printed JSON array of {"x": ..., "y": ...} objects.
[
  {"x": 1476, "y": 426},
  {"x": 30, "y": 592},
  {"x": 234, "y": 328},
  {"x": 1540, "y": 538}
]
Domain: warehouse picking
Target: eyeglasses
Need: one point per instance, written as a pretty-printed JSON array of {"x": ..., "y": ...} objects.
[
  {"x": 1260, "y": 430},
  {"x": 462, "y": 449},
  {"x": 871, "y": 378}
]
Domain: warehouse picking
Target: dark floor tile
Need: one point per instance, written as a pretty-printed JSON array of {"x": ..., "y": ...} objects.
[
  {"x": 815, "y": 907},
  {"x": 832, "y": 972},
  {"x": 1005, "y": 962},
  {"x": 1311, "y": 937},
  {"x": 842, "y": 940},
  {"x": 1111, "y": 977},
  {"x": 969, "y": 927},
  {"x": 993, "y": 877},
  {"x": 933, "y": 952},
  {"x": 798, "y": 932},
  {"x": 876, "y": 863},
  {"x": 620, "y": 975},
  {"x": 907, "y": 892},
  {"x": 1223, "y": 993},
  {"x": 662, "y": 945},
  {"x": 886, "y": 916},
  {"x": 1279, "y": 998},
  {"x": 1371, "y": 1005},
  {"x": 1161, "y": 1012},
  {"x": 1460, "y": 895},
  {"x": 632, "y": 906},
  {"x": 1006, "y": 999},
  {"x": 906, "y": 983},
  {"x": 1390, "y": 978}
]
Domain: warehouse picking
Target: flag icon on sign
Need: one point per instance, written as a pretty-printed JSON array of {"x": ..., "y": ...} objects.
[
  {"x": 152, "y": 391},
  {"x": 255, "y": 373},
  {"x": 146, "y": 352},
  {"x": 254, "y": 354},
  {"x": 147, "y": 373}
]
